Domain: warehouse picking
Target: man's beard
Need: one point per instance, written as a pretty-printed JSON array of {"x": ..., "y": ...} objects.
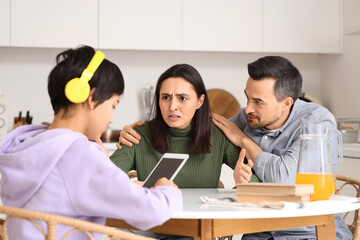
[{"x": 257, "y": 123}]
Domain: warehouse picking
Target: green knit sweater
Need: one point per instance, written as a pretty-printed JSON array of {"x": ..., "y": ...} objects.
[{"x": 200, "y": 170}]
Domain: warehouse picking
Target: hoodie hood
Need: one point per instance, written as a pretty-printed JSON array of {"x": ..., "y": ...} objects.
[{"x": 27, "y": 156}]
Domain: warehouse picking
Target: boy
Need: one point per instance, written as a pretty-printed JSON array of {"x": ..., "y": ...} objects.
[{"x": 60, "y": 169}]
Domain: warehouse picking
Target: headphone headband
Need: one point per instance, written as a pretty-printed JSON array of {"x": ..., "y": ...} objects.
[{"x": 77, "y": 90}]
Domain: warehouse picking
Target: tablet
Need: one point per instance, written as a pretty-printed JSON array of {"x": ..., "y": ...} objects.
[{"x": 168, "y": 166}]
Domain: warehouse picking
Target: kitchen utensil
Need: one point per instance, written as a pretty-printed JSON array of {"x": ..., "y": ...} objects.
[
  {"x": 349, "y": 128},
  {"x": 19, "y": 118},
  {"x": 315, "y": 160},
  {"x": 223, "y": 103},
  {"x": 146, "y": 98},
  {"x": 110, "y": 135},
  {"x": 349, "y": 135},
  {"x": 28, "y": 118}
]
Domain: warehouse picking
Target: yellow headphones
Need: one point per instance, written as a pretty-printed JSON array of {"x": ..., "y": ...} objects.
[{"x": 77, "y": 90}]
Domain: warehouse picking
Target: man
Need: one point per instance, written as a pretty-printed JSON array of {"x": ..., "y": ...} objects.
[
  {"x": 269, "y": 129},
  {"x": 269, "y": 126}
]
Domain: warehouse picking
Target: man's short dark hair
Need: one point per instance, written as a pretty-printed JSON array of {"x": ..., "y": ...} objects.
[{"x": 287, "y": 76}]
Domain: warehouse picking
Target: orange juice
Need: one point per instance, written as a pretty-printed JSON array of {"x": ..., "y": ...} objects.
[{"x": 324, "y": 184}]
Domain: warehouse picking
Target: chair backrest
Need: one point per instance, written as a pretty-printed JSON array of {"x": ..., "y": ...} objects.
[
  {"x": 348, "y": 181},
  {"x": 52, "y": 220}
]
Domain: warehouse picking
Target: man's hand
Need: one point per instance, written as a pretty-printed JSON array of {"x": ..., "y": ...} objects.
[
  {"x": 98, "y": 141},
  {"x": 128, "y": 135},
  {"x": 232, "y": 132},
  {"x": 164, "y": 182},
  {"x": 242, "y": 172}
]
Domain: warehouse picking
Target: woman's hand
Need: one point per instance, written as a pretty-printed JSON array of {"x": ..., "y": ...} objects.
[
  {"x": 242, "y": 172},
  {"x": 128, "y": 135}
]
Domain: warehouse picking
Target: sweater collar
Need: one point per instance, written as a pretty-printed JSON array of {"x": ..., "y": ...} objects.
[{"x": 180, "y": 132}]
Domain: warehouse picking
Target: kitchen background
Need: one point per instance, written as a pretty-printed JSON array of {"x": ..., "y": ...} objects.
[{"x": 219, "y": 38}]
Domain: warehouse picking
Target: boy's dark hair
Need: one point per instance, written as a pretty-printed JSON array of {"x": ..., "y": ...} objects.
[
  {"x": 201, "y": 122},
  {"x": 287, "y": 76},
  {"x": 107, "y": 79}
]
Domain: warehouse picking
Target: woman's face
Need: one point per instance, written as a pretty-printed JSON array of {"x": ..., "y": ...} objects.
[{"x": 178, "y": 102}]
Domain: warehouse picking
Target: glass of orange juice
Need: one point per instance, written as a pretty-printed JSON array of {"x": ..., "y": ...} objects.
[{"x": 315, "y": 159}]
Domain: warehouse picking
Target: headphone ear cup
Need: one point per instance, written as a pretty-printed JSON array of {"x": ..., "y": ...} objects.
[{"x": 77, "y": 90}]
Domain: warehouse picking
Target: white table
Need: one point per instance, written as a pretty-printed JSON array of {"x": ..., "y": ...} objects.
[{"x": 208, "y": 221}]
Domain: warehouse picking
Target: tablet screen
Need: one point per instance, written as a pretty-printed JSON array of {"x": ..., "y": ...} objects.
[{"x": 165, "y": 168}]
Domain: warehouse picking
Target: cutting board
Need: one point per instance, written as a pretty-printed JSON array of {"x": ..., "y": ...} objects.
[{"x": 223, "y": 102}]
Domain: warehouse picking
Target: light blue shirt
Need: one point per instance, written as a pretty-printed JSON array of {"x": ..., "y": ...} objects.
[{"x": 278, "y": 161}]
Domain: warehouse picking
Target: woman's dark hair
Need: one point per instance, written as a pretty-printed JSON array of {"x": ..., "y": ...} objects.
[
  {"x": 287, "y": 76},
  {"x": 201, "y": 122},
  {"x": 107, "y": 79}
]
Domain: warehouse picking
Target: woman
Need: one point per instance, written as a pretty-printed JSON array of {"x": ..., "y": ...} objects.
[
  {"x": 182, "y": 124},
  {"x": 58, "y": 169}
]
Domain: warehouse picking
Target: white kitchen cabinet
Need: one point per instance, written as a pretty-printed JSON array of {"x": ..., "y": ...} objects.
[
  {"x": 302, "y": 26},
  {"x": 350, "y": 167},
  {"x": 228, "y": 25},
  {"x": 44, "y": 23},
  {"x": 280, "y": 26},
  {"x": 4, "y": 22},
  {"x": 140, "y": 24},
  {"x": 351, "y": 17}
]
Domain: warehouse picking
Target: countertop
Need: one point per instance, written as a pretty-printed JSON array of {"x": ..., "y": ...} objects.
[
  {"x": 110, "y": 145},
  {"x": 351, "y": 150}
]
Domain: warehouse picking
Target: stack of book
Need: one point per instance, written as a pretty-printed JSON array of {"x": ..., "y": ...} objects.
[{"x": 274, "y": 192}]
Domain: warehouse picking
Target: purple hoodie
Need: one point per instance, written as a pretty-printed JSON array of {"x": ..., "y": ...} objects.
[{"x": 60, "y": 171}]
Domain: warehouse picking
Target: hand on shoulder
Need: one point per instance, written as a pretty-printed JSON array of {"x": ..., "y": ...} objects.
[{"x": 128, "y": 136}]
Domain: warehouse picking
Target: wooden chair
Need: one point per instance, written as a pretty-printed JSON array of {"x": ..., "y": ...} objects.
[
  {"x": 52, "y": 220},
  {"x": 348, "y": 181}
]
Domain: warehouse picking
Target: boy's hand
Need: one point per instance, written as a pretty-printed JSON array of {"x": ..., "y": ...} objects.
[{"x": 164, "y": 182}]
